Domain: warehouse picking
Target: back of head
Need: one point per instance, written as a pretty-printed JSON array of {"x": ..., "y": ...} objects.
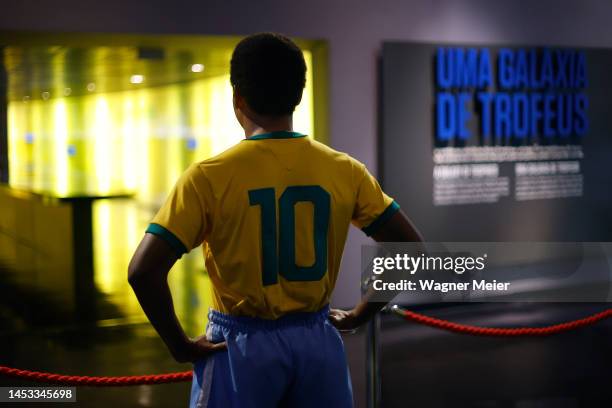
[{"x": 269, "y": 71}]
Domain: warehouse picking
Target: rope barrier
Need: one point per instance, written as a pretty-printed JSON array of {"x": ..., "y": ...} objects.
[
  {"x": 71, "y": 380},
  {"x": 74, "y": 380},
  {"x": 500, "y": 332}
]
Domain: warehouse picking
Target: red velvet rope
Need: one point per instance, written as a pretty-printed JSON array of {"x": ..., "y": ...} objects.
[
  {"x": 500, "y": 332},
  {"x": 72, "y": 380}
]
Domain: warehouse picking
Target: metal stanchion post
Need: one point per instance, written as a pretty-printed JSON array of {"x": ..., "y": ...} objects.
[
  {"x": 372, "y": 356},
  {"x": 373, "y": 364}
]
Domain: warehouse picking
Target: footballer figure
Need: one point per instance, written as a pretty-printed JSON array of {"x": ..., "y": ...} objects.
[{"x": 272, "y": 215}]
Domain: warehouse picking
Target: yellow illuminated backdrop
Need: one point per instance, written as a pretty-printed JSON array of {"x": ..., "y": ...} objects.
[
  {"x": 85, "y": 133},
  {"x": 138, "y": 140}
]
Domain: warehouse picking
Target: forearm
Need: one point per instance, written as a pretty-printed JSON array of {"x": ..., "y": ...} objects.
[
  {"x": 398, "y": 229},
  {"x": 348, "y": 320},
  {"x": 156, "y": 300},
  {"x": 365, "y": 310}
]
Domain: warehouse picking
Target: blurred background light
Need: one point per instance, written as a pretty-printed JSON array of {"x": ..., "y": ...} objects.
[
  {"x": 137, "y": 79},
  {"x": 197, "y": 67}
]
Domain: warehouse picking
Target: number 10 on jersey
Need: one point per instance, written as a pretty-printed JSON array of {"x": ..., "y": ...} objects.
[{"x": 278, "y": 255}]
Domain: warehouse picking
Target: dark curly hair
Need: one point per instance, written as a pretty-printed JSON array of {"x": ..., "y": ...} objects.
[{"x": 269, "y": 71}]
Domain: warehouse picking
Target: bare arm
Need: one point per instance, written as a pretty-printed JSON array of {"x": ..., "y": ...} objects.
[
  {"x": 397, "y": 229},
  {"x": 148, "y": 276}
]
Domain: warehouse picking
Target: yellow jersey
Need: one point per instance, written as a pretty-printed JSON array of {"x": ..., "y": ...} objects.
[{"x": 272, "y": 214}]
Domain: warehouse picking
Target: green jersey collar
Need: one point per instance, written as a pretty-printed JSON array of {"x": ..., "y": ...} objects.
[{"x": 281, "y": 134}]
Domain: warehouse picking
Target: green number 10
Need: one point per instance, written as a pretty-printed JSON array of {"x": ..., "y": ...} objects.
[{"x": 282, "y": 260}]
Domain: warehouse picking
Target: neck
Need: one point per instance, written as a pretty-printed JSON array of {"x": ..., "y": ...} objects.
[{"x": 268, "y": 125}]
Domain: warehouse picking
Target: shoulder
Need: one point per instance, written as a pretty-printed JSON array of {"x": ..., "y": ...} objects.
[
  {"x": 345, "y": 163},
  {"x": 336, "y": 155},
  {"x": 239, "y": 149},
  {"x": 237, "y": 152},
  {"x": 356, "y": 166},
  {"x": 213, "y": 168}
]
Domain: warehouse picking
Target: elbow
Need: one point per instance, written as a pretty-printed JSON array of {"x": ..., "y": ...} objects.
[
  {"x": 132, "y": 277},
  {"x": 140, "y": 276},
  {"x": 135, "y": 275}
]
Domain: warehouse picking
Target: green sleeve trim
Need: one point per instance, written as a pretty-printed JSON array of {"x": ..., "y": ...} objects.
[
  {"x": 169, "y": 237},
  {"x": 382, "y": 219}
]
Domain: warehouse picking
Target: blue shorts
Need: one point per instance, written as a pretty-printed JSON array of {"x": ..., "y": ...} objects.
[{"x": 297, "y": 361}]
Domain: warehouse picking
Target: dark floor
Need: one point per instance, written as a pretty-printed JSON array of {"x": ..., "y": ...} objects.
[
  {"x": 123, "y": 350},
  {"x": 421, "y": 367},
  {"x": 426, "y": 367}
]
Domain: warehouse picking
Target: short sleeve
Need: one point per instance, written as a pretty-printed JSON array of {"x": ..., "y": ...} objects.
[
  {"x": 372, "y": 206},
  {"x": 181, "y": 221}
]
